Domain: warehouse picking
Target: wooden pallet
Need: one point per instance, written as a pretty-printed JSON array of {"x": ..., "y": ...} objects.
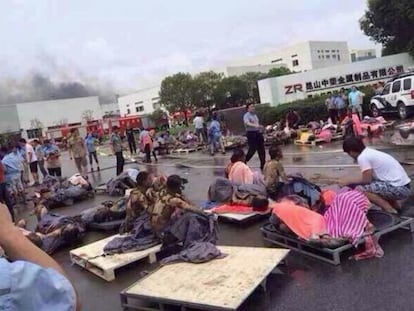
[
  {"x": 100, "y": 189},
  {"x": 187, "y": 150},
  {"x": 332, "y": 256},
  {"x": 221, "y": 284},
  {"x": 316, "y": 141},
  {"x": 91, "y": 258}
]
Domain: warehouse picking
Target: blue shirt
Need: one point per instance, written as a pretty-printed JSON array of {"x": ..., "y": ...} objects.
[
  {"x": 339, "y": 102},
  {"x": 11, "y": 163},
  {"x": 251, "y": 118},
  {"x": 29, "y": 287},
  {"x": 354, "y": 98},
  {"x": 214, "y": 129},
  {"x": 90, "y": 143}
]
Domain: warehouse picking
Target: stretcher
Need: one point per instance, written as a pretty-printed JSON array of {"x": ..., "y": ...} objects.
[
  {"x": 187, "y": 150},
  {"x": 220, "y": 284},
  {"x": 91, "y": 257},
  {"x": 242, "y": 218},
  {"x": 332, "y": 256},
  {"x": 100, "y": 189}
]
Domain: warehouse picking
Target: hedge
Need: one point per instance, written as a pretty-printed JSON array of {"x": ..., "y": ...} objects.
[{"x": 309, "y": 109}]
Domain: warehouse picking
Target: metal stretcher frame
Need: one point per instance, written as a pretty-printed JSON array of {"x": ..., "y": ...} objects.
[{"x": 332, "y": 256}]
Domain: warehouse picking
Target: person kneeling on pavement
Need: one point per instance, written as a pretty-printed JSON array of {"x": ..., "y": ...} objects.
[{"x": 383, "y": 180}]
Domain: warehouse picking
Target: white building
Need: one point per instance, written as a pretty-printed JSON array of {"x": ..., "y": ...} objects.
[
  {"x": 110, "y": 108},
  {"x": 303, "y": 56},
  {"x": 142, "y": 102},
  {"x": 9, "y": 119},
  {"x": 293, "y": 87},
  {"x": 55, "y": 112},
  {"x": 229, "y": 71},
  {"x": 360, "y": 55}
]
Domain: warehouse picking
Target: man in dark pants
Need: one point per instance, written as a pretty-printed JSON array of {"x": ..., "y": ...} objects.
[
  {"x": 116, "y": 143},
  {"x": 131, "y": 139},
  {"x": 254, "y": 135},
  {"x": 4, "y": 195}
]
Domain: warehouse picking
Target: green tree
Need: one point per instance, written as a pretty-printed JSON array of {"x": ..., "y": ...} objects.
[
  {"x": 277, "y": 72},
  {"x": 159, "y": 116},
  {"x": 231, "y": 92},
  {"x": 204, "y": 87},
  {"x": 250, "y": 79},
  {"x": 177, "y": 93},
  {"x": 390, "y": 23}
]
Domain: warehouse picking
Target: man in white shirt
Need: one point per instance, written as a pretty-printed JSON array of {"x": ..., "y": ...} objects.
[
  {"x": 31, "y": 158},
  {"x": 383, "y": 179},
  {"x": 199, "y": 126}
]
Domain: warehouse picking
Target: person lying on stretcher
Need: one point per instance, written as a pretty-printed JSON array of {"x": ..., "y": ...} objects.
[
  {"x": 107, "y": 211},
  {"x": 53, "y": 231},
  {"x": 344, "y": 220}
]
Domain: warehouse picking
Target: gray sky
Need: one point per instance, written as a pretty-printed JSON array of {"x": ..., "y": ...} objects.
[{"x": 134, "y": 43}]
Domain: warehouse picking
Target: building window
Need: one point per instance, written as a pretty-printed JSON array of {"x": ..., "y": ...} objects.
[
  {"x": 333, "y": 55},
  {"x": 128, "y": 111},
  {"x": 295, "y": 55},
  {"x": 295, "y": 62},
  {"x": 139, "y": 108},
  {"x": 328, "y": 56},
  {"x": 140, "y": 102},
  {"x": 339, "y": 57},
  {"x": 319, "y": 57},
  {"x": 276, "y": 60},
  {"x": 128, "y": 105},
  {"x": 156, "y": 106},
  {"x": 155, "y": 98},
  {"x": 323, "y": 57},
  {"x": 319, "y": 51},
  {"x": 326, "y": 51}
]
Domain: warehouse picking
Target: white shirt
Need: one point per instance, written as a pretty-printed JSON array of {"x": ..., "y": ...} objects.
[
  {"x": 30, "y": 149},
  {"x": 198, "y": 122},
  {"x": 384, "y": 167}
]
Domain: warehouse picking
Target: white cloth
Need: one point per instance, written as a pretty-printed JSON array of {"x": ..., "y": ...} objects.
[
  {"x": 384, "y": 167},
  {"x": 132, "y": 173},
  {"x": 29, "y": 149},
  {"x": 78, "y": 180},
  {"x": 198, "y": 122}
]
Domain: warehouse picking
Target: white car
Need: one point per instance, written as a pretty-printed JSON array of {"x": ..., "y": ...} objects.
[{"x": 397, "y": 96}]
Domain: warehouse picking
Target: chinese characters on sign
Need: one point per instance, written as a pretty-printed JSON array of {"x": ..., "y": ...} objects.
[
  {"x": 345, "y": 79},
  {"x": 354, "y": 78}
]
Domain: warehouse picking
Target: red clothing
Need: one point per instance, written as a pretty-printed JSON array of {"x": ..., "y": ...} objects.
[{"x": 1, "y": 173}]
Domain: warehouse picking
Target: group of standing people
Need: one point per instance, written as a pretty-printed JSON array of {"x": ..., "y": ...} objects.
[
  {"x": 339, "y": 103},
  {"x": 209, "y": 133}
]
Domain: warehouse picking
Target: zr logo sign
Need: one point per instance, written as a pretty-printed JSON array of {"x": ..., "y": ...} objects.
[{"x": 295, "y": 88}]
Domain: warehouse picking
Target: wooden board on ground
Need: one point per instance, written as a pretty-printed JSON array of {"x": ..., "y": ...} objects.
[
  {"x": 90, "y": 258},
  {"x": 301, "y": 142},
  {"x": 186, "y": 150},
  {"x": 221, "y": 284},
  {"x": 101, "y": 189}
]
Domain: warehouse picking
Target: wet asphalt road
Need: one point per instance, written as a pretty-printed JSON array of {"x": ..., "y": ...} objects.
[{"x": 378, "y": 284}]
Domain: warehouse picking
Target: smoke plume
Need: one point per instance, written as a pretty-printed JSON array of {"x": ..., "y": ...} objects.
[{"x": 38, "y": 86}]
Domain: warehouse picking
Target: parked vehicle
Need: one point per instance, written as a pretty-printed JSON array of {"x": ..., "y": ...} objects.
[{"x": 397, "y": 96}]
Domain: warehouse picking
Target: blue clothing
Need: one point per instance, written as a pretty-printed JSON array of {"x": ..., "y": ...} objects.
[
  {"x": 90, "y": 143},
  {"x": 250, "y": 118},
  {"x": 354, "y": 98},
  {"x": 214, "y": 129},
  {"x": 27, "y": 286},
  {"x": 339, "y": 102},
  {"x": 49, "y": 149},
  {"x": 11, "y": 163}
]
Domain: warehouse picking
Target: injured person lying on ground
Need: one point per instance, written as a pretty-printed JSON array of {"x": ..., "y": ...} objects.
[
  {"x": 345, "y": 220},
  {"x": 53, "y": 231}
]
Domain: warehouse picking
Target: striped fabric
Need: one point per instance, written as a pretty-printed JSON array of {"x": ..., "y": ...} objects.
[{"x": 346, "y": 217}]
